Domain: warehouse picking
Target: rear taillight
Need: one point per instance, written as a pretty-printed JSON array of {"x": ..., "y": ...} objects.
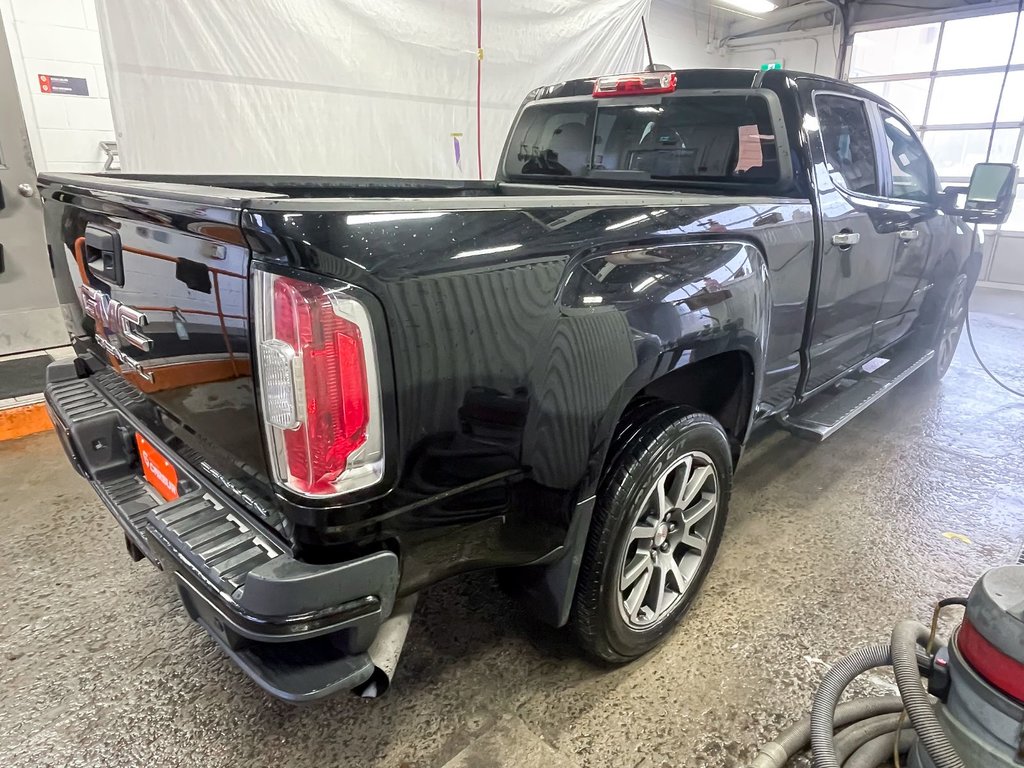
[
  {"x": 635, "y": 85},
  {"x": 319, "y": 390}
]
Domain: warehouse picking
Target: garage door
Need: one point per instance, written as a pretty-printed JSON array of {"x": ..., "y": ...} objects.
[{"x": 946, "y": 77}]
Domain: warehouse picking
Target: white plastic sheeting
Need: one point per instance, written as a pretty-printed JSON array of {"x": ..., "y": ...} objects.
[{"x": 344, "y": 87}]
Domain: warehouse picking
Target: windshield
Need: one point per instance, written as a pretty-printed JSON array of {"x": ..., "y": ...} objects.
[{"x": 713, "y": 138}]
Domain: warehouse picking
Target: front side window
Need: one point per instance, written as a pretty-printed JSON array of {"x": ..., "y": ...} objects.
[
  {"x": 717, "y": 138},
  {"x": 911, "y": 168},
  {"x": 849, "y": 151}
]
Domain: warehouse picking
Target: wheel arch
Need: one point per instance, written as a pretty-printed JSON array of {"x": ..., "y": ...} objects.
[{"x": 550, "y": 588}]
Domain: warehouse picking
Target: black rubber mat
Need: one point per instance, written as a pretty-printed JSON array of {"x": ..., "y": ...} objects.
[{"x": 24, "y": 376}]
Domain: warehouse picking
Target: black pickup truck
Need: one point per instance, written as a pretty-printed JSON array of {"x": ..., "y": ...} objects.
[{"x": 305, "y": 399}]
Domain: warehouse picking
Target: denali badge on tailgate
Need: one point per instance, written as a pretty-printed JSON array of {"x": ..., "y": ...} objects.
[{"x": 125, "y": 321}]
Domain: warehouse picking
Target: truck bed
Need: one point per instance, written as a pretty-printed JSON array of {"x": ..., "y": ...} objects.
[{"x": 313, "y": 187}]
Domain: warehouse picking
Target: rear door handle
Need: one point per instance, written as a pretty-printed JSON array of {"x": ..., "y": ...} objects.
[
  {"x": 845, "y": 239},
  {"x": 909, "y": 234}
]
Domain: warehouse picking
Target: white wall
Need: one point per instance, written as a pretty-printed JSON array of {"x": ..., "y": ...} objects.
[
  {"x": 686, "y": 35},
  {"x": 811, "y": 50},
  {"x": 680, "y": 35},
  {"x": 360, "y": 87},
  {"x": 60, "y": 37}
]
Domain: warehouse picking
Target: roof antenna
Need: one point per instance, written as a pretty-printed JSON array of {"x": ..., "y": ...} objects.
[
  {"x": 651, "y": 66},
  {"x": 647, "y": 44}
]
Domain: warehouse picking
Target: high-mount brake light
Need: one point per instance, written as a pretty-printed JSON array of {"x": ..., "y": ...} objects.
[
  {"x": 639, "y": 84},
  {"x": 319, "y": 390}
]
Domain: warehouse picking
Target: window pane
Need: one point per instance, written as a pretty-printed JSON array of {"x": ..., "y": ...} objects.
[
  {"x": 1016, "y": 221},
  {"x": 894, "y": 51},
  {"x": 909, "y": 96},
  {"x": 972, "y": 99},
  {"x": 727, "y": 138},
  {"x": 911, "y": 171},
  {"x": 955, "y": 153},
  {"x": 983, "y": 41},
  {"x": 849, "y": 151}
]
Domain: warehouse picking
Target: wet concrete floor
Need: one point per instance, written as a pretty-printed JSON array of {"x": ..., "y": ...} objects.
[{"x": 827, "y": 546}]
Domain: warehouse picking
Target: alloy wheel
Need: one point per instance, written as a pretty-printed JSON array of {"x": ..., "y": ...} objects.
[
  {"x": 668, "y": 540},
  {"x": 953, "y": 325}
]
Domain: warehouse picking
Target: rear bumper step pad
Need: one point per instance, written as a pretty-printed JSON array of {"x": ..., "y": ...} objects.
[{"x": 300, "y": 631}]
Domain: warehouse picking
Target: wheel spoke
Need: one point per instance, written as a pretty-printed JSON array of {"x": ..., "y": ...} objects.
[
  {"x": 693, "y": 542},
  {"x": 693, "y": 486},
  {"x": 642, "y": 531},
  {"x": 699, "y": 511},
  {"x": 660, "y": 496},
  {"x": 659, "y": 591},
  {"x": 680, "y": 479},
  {"x": 674, "y": 572},
  {"x": 636, "y": 596},
  {"x": 641, "y": 562}
]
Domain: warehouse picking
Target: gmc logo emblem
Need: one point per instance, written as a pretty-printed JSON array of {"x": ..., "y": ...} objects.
[{"x": 120, "y": 318}]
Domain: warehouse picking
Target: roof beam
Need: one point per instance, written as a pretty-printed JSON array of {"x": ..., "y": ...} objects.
[{"x": 777, "y": 18}]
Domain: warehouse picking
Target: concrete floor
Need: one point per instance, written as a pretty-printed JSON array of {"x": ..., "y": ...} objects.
[{"x": 826, "y": 548}]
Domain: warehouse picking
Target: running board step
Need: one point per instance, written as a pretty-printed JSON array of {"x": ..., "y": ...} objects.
[{"x": 825, "y": 415}]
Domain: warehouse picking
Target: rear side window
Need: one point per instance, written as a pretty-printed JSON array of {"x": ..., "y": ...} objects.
[
  {"x": 728, "y": 138},
  {"x": 849, "y": 151}
]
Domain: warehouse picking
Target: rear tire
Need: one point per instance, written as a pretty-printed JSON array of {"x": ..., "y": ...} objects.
[
  {"x": 657, "y": 524},
  {"x": 948, "y": 328}
]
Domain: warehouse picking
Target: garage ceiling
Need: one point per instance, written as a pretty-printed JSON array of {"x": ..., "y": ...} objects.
[{"x": 808, "y": 14}]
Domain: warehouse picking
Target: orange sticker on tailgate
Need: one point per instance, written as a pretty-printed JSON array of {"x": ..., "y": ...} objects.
[{"x": 160, "y": 473}]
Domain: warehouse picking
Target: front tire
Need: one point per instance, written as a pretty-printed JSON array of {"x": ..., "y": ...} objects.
[
  {"x": 657, "y": 524},
  {"x": 948, "y": 329}
]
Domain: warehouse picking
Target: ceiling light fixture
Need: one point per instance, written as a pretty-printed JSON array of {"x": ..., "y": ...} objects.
[{"x": 748, "y": 6}]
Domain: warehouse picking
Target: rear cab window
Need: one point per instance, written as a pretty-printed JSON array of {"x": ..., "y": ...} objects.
[{"x": 711, "y": 138}]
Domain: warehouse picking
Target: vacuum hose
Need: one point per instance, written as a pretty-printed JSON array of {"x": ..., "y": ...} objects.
[
  {"x": 869, "y": 726},
  {"x": 878, "y": 751},
  {"x": 906, "y": 636},
  {"x": 827, "y": 696},
  {"x": 795, "y": 739}
]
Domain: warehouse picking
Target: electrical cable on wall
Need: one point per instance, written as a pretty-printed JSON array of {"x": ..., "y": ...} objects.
[{"x": 988, "y": 155}]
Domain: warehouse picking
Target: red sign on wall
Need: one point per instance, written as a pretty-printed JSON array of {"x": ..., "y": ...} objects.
[{"x": 72, "y": 86}]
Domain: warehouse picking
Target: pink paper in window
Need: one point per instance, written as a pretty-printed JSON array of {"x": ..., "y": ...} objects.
[{"x": 750, "y": 154}]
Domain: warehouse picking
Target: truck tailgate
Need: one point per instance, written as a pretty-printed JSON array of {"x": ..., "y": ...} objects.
[{"x": 153, "y": 280}]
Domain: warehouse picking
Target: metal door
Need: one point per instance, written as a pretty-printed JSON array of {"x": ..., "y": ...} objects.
[
  {"x": 29, "y": 314},
  {"x": 924, "y": 232},
  {"x": 857, "y": 239}
]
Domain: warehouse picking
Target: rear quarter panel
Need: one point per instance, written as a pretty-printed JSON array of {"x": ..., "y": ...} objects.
[{"x": 519, "y": 334}]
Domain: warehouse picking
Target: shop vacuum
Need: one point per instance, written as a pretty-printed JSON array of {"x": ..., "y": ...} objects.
[{"x": 970, "y": 715}]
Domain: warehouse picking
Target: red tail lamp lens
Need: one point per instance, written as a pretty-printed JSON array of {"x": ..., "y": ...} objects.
[{"x": 318, "y": 386}]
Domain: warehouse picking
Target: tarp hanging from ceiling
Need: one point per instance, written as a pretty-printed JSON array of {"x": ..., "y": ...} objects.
[{"x": 344, "y": 87}]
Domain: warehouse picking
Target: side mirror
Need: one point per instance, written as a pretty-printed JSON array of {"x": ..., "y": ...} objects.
[{"x": 989, "y": 196}]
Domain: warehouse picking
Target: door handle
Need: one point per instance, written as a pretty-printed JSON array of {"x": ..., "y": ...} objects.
[
  {"x": 845, "y": 239},
  {"x": 908, "y": 234}
]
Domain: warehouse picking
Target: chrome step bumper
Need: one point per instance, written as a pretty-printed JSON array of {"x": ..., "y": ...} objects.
[{"x": 301, "y": 631}]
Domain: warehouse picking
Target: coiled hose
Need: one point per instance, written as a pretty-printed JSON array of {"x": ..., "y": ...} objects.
[
  {"x": 871, "y": 735},
  {"x": 879, "y": 750},
  {"x": 827, "y": 696},
  {"x": 906, "y": 636},
  {"x": 796, "y": 737}
]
